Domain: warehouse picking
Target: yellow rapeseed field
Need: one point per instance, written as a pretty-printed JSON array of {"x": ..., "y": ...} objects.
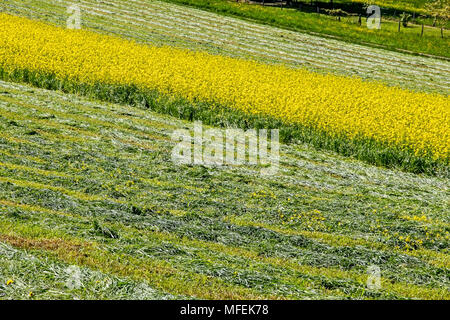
[{"x": 337, "y": 105}]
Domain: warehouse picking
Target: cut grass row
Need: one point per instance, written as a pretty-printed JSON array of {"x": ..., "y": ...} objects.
[
  {"x": 127, "y": 211},
  {"x": 38, "y": 276}
]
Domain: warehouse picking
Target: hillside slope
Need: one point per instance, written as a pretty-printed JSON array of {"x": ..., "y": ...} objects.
[{"x": 92, "y": 184}]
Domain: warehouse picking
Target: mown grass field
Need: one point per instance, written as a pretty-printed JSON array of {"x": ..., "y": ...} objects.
[
  {"x": 92, "y": 184},
  {"x": 87, "y": 179}
]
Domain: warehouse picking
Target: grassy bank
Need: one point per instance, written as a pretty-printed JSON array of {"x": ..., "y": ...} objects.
[
  {"x": 347, "y": 29},
  {"x": 390, "y": 7}
]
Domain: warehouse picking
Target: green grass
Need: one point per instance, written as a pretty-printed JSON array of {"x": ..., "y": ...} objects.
[
  {"x": 369, "y": 150},
  {"x": 92, "y": 184},
  {"x": 389, "y": 6},
  {"x": 38, "y": 276},
  {"x": 390, "y": 9},
  {"x": 408, "y": 39}
]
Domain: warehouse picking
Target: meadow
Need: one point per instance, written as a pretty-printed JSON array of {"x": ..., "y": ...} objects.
[
  {"x": 88, "y": 183},
  {"x": 92, "y": 184}
]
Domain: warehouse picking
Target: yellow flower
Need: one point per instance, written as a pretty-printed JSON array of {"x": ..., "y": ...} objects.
[
  {"x": 337, "y": 105},
  {"x": 9, "y": 282}
]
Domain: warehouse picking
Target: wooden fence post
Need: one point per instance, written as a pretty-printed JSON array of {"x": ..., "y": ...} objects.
[{"x": 422, "y": 31}]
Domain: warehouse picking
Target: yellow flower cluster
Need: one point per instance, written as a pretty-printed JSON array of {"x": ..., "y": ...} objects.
[{"x": 337, "y": 105}]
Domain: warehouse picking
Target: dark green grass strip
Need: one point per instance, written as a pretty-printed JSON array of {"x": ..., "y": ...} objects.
[{"x": 361, "y": 148}]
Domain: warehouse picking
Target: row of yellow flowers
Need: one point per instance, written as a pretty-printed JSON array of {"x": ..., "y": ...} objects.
[{"x": 335, "y": 104}]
